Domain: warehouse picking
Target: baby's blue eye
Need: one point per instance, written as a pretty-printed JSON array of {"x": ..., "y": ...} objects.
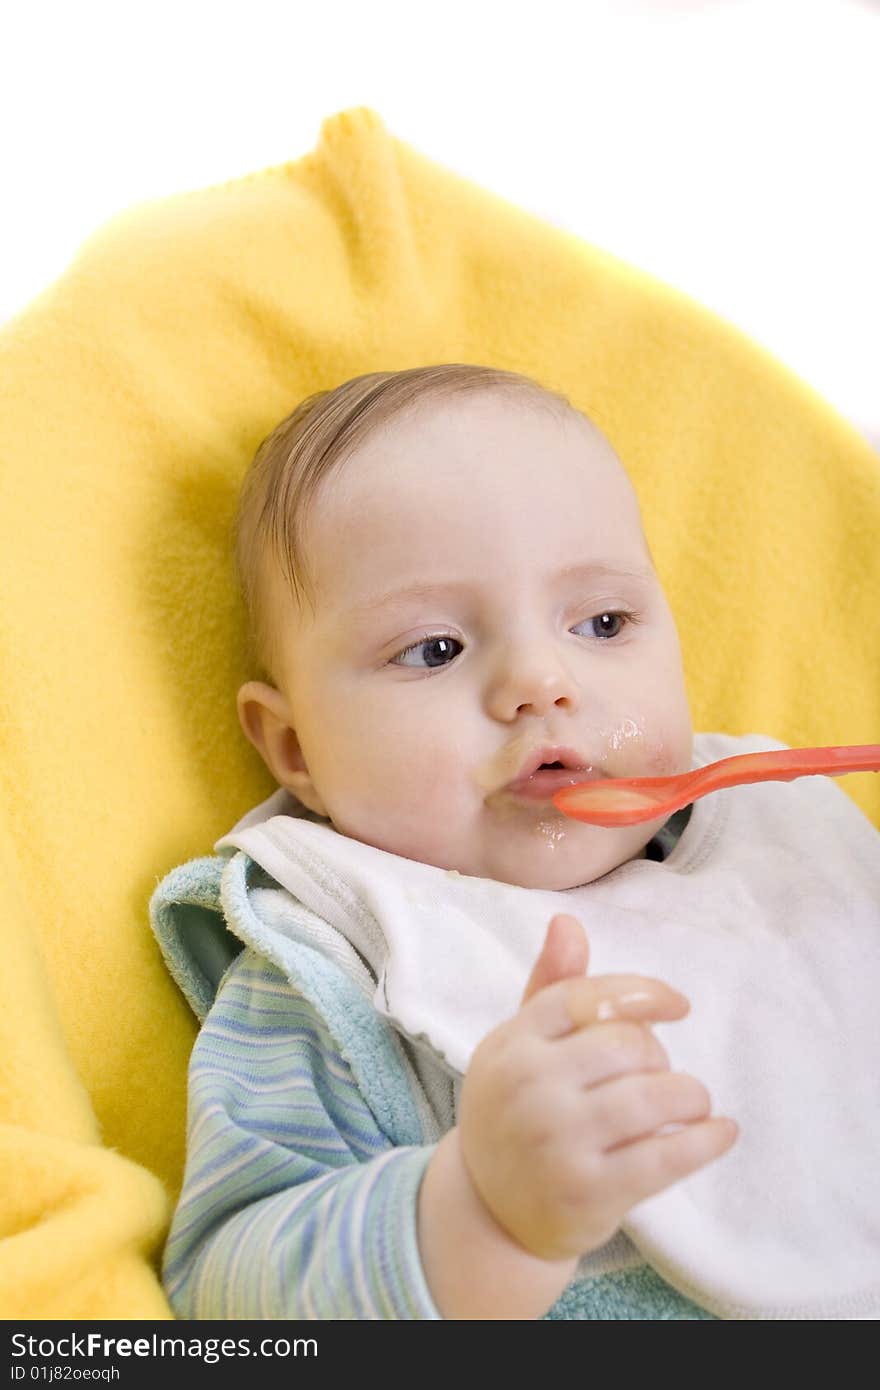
[
  {"x": 604, "y": 633},
  {"x": 438, "y": 651}
]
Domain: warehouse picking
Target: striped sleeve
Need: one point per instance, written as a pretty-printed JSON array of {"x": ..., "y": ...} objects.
[{"x": 295, "y": 1204}]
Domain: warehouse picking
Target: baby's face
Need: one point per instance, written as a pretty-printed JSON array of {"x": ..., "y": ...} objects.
[{"x": 484, "y": 599}]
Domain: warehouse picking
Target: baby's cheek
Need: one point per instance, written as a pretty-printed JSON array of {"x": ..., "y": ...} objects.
[
  {"x": 408, "y": 795},
  {"x": 662, "y": 760},
  {"x": 670, "y": 752},
  {"x": 636, "y": 745},
  {"x": 658, "y": 749}
]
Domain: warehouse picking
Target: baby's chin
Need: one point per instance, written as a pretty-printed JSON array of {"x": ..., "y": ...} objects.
[
  {"x": 558, "y": 877},
  {"x": 556, "y": 855},
  {"x": 553, "y": 854}
]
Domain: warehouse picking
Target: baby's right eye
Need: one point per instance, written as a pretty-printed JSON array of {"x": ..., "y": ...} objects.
[{"x": 437, "y": 651}]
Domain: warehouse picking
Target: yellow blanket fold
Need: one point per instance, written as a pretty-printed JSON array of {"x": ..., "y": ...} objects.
[{"x": 134, "y": 391}]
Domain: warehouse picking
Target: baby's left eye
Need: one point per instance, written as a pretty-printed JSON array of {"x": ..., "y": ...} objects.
[
  {"x": 602, "y": 618},
  {"x": 430, "y": 653}
]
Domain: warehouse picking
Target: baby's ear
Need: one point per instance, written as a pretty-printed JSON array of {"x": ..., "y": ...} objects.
[
  {"x": 262, "y": 713},
  {"x": 267, "y": 723}
]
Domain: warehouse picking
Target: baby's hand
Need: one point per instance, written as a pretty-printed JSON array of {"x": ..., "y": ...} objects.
[{"x": 561, "y": 1105}]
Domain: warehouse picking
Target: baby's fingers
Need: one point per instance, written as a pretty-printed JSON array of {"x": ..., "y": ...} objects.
[
  {"x": 648, "y": 1166},
  {"x": 633, "y": 1107},
  {"x": 580, "y": 1002},
  {"x": 595, "y": 1055}
]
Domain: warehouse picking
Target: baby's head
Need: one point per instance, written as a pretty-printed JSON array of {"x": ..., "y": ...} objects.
[{"x": 448, "y": 582}]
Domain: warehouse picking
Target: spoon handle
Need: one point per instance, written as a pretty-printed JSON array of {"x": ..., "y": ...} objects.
[
  {"x": 631, "y": 800},
  {"x": 785, "y": 764}
]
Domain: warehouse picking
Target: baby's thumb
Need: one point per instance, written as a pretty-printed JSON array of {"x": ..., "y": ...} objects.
[{"x": 565, "y": 952}]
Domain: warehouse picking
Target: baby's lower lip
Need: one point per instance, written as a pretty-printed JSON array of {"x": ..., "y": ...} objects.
[{"x": 541, "y": 785}]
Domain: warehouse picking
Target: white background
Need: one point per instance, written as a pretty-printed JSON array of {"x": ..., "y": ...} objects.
[{"x": 728, "y": 146}]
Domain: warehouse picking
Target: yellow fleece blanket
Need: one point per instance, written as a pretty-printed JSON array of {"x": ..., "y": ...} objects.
[{"x": 134, "y": 392}]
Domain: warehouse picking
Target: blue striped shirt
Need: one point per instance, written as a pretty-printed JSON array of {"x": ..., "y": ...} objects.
[{"x": 294, "y": 1204}]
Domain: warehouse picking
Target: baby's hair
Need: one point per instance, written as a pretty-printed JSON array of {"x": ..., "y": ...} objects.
[{"x": 323, "y": 430}]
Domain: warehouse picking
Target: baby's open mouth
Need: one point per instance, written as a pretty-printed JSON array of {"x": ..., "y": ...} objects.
[
  {"x": 544, "y": 781},
  {"x": 541, "y": 775}
]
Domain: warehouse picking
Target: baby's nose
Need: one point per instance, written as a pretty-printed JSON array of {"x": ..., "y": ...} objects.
[{"x": 532, "y": 687}]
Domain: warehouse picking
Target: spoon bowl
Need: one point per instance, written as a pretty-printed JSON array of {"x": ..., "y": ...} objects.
[{"x": 630, "y": 800}]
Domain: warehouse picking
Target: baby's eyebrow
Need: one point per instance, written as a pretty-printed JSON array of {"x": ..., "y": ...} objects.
[
  {"x": 409, "y": 593},
  {"x": 604, "y": 569}
]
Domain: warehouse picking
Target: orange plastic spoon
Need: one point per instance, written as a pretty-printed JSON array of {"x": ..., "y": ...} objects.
[{"x": 629, "y": 800}]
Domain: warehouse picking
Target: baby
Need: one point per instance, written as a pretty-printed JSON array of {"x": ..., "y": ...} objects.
[{"x": 413, "y": 1094}]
